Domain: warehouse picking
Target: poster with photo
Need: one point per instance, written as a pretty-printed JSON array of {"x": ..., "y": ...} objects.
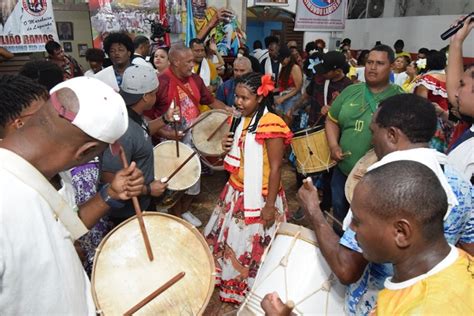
[{"x": 26, "y": 25}]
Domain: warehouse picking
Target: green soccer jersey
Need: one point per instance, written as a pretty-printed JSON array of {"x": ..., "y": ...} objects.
[{"x": 352, "y": 110}]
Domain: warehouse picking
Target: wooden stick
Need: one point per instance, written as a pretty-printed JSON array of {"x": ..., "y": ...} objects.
[
  {"x": 177, "y": 139},
  {"x": 308, "y": 183},
  {"x": 151, "y": 296},
  {"x": 346, "y": 154},
  {"x": 218, "y": 128},
  {"x": 138, "y": 211},
  {"x": 195, "y": 123},
  {"x": 333, "y": 218},
  {"x": 179, "y": 168}
]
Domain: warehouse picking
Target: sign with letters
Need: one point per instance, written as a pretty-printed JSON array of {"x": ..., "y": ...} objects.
[{"x": 320, "y": 15}]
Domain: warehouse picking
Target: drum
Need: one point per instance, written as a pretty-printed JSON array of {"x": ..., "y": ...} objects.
[
  {"x": 294, "y": 267},
  {"x": 165, "y": 162},
  {"x": 359, "y": 170},
  {"x": 211, "y": 151},
  {"x": 123, "y": 275},
  {"x": 311, "y": 149}
]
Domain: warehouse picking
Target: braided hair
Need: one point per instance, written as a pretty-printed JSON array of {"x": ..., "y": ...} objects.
[
  {"x": 253, "y": 81},
  {"x": 18, "y": 92}
]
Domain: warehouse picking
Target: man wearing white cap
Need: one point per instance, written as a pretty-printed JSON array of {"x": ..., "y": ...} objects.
[
  {"x": 138, "y": 89},
  {"x": 40, "y": 271}
]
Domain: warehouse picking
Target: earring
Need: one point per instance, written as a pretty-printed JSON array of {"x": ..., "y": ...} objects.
[{"x": 20, "y": 124}]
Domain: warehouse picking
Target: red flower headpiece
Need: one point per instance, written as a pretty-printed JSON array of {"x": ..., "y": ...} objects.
[{"x": 267, "y": 85}]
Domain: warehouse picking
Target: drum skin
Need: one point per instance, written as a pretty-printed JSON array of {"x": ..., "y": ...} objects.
[
  {"x": 359, "y": 170},
  {"x": 123, "y": 275},
  {"x": 201, "y": 132},
  {"x": 312, "y": 150}
]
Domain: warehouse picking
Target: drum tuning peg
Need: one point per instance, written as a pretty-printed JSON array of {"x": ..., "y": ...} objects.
[{"x": 326, "y": 286}]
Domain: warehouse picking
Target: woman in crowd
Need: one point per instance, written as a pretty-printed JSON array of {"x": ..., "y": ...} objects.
[
  {"x": 399, "y": 69},
  {"x": 253, "y": 201},
  {"x": 412, "y": 76},
  {"x": 159, "y": 59}
]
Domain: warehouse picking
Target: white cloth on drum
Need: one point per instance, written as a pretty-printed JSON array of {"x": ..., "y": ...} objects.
[{"x": 253, "y": 168}]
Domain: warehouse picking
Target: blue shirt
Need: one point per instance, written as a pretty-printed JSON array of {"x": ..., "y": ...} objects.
[
  {"x": 458, "y": 227},
  {"x": 226, "y": 92}
]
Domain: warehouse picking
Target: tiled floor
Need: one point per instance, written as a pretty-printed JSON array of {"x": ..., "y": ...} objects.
[{"x": 203, "y": 205}]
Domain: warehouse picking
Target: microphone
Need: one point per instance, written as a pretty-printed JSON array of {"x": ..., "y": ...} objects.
[
  {"x": 453, "y": 29},
  {"x": 236, "y": 118}
]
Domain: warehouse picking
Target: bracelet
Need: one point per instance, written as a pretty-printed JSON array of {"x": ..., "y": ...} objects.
[
  {"x": 109, "y": 200},
  {"x": 148, "y": 189},
  {"x": 163, "y": 117}
]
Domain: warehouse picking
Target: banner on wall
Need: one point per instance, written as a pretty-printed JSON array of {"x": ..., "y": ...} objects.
[
  {"x": 26, "y": 25},
  {"x": 320, "y": 15}
]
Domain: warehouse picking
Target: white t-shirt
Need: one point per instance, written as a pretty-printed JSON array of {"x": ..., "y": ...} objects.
[
  {"x": 40, "y": 271},
  {"x": 462, "y": 157},
  {"x": 400, "y": 78},
  {"x": 141, "y": 61}
]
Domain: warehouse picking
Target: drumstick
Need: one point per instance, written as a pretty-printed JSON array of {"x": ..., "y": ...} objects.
[
  {"x": 177, "y": 139},
  {"x": 308, "y": 183},
  {"x": 346, "y": 153},
  {"x": 157, "y": 292},
  {"x": 333, "y": 218},
  {"x": 195, "y": 123},
  {"x": 167, "y": 179},
  {"x": 138, "y": 211},
  {"x": 218, "y": 128}
]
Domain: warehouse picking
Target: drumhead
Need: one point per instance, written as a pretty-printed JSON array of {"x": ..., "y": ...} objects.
[
  {"x": 307, "y": 131},
  {"x": 359, "y": 170},
  {"x": 166, "y": 162},
  {"x": 123, "y": 275},
  {"x": 291, "y": 230},
  {"x": 201, "y": 132}
]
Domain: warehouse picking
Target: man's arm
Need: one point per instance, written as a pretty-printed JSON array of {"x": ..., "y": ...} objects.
[
  {"x": 222, "y": 14},
  {"x": 332, "y": 134},
  {"x": 5, "y": 53},
  {"x": 347, "y": 264},
  {"x": 455, "y": 68}
]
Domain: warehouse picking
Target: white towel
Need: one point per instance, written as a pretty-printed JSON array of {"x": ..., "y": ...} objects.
[
  {"x": 269, "y": 69},
  {"x": 205, "y": 72}
]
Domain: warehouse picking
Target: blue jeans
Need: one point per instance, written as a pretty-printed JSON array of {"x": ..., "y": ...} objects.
[
  {"x": 339, "y": 203},
  {"x": 288, "y": 104}
]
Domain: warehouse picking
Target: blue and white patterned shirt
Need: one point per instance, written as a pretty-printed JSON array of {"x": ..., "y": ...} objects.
[{"x": 458, "y": 227}]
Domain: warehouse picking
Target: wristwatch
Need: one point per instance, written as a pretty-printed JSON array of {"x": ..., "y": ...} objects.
[{"x": 108, "y": 199}]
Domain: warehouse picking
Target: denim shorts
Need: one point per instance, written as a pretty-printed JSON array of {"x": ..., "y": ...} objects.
[{"x": 288, "y": 104}]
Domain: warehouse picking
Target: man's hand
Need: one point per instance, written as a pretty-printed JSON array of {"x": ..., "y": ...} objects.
[
  {"x": 268, "y": 214},
  {"x": 157, "y": 188},
  {"x": 324, "y": 110},
  {"x": 336, "y": 153},
  {"x": 171, "y": 135},
  {"x": 273, "y": 305},
  {"x": 224, "y": 14},
  {"x": 227, "y": 142},
  {"x": 308, "y": 197},
  {"x": 126, "y": 183},
  {"x": 462, "y": 33},
  {"x": 279, "y": 100}
]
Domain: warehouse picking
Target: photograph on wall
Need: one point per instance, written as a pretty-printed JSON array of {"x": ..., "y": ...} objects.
[
  {"x": 67, "y": 47},
  {"x": 320, "y": 15},
  {"x": 82, "y": 49},
  {"x": 26, "y": 25},
  {"x": 65, "y": 31}
]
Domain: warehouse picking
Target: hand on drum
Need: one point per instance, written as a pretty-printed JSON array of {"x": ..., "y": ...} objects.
[
  {"x": 336, "y": 153},
  {"x": 324, "y": 110},
  {"x": 170, "y": 134},
  {"x": 157, "y": 188},
  {"x": 308, "y": 197},
  {"x": 227, "y": 142},
  {"x": 127, "y": 183},
  {"x": 268, "y": 215},
  {"x": 273, "y": 305}
]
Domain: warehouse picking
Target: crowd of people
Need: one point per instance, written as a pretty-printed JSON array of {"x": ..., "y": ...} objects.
[{"x": 406, "y": 242}]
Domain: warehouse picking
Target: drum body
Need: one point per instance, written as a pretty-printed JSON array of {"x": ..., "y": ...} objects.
[
  {"x": 165, "y": 162},
  {"x": 123, "y": 275},
  {"x": 294, "y": 267},
  {"x": 312, "y": 150},
  {"x": 211, "y": 152},
  {"x": 359, "y": 170}
]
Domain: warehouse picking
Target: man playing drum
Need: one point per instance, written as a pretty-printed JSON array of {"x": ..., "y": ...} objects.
[
  {"x": 138, "y": 89},
  {"x": 40, "y": 272},
  {"x": 402, "y": 128},
  {"x": 178, "y": 84},
  {"x": 347, "y": 128}
]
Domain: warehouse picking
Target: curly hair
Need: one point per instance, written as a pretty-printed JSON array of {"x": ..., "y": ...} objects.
[
  {"x": 43, "y": 72},
  {"x": 120, "y": 38},
  {"x": 95, "y": 54},
  {"x": 252, "y": 81}
]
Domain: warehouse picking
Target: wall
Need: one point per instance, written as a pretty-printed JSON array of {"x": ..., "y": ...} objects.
[
  {"x": 81, "y": 29},
  {"x": 260, "y": 30}
]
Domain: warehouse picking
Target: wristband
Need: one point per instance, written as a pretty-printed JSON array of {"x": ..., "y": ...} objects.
[
  {"x": 108, "y": 200},
  {"x": 148, "y": 189},
  {"x": 163, "y": 117}
]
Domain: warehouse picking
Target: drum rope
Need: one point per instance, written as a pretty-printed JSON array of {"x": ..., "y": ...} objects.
[{"x": 303, "y": 164}]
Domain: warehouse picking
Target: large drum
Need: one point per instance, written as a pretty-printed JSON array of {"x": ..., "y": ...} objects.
[
  {"x": 211, "y": 150},
  {"x": 166, "y": 162},
  {"x": 294, "y": 267},
  {"x": 123, "y": 275},
  {"x": 359, "y": 170},
  {"x": 312, "y": 150}
]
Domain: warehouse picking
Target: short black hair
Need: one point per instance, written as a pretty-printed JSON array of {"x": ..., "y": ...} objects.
[
  {"x": 195, "y": 41},
  {"x": 44, "y": 72},
  {"x": 95, "y": 54},
  {"x": 346, "y": 41},
  {"x": 362, "y": 58},
  {"x": 399, "y": 44},
  {"x": 121, "y": 38},
  {"x": 271, "y": 39},
  {"x": 387, "y": 49},
  {"x": 139, "y": 40},
  {"x": 310, "y": 46},
  {"x": 415, "y": 192},
  {"x": 435, "y": 60},
  {"x": 423, "y": 50},
  {"x": 415, "y": 116},
  {"x": 51, "y": 47},
  {"x": 18, "y": 92},
  {"x": 257, "y": 44}
]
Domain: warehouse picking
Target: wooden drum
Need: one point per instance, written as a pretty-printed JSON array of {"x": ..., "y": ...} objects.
[
  {"x": 123, "y": 275},
  {"x": 359, "y": 170}
]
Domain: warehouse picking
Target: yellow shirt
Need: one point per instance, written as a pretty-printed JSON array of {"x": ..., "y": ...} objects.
[
  {"x": 448, "y": 289},
  {"x": 269, "y": 126}
]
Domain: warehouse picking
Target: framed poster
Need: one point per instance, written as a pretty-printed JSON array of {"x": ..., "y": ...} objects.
[
  {"x": 82, "y": 48},
  {"x": 65, "y": 31},
  {"x": 67, "y": 47}
]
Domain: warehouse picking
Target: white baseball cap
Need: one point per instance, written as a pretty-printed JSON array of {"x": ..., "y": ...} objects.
[
  {"x": 136, "y": 81},
  {"x": 102, "y": 112}
]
